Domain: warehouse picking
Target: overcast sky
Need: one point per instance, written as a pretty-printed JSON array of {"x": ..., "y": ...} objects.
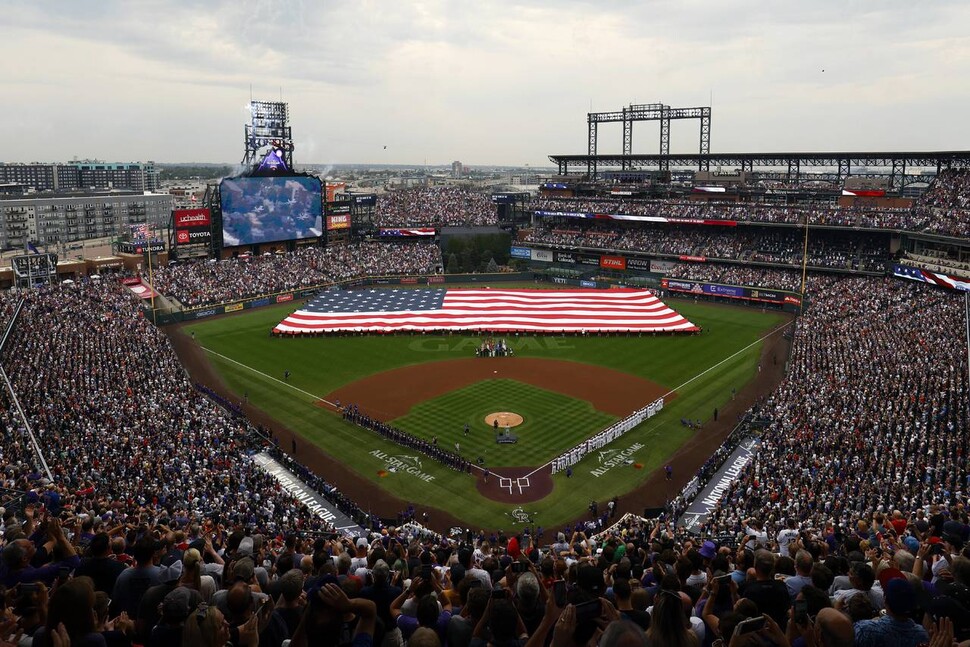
[{"x": 485, "y": 82}]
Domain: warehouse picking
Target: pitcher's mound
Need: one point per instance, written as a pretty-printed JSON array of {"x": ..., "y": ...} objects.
[{"x": 505, "y": 419}]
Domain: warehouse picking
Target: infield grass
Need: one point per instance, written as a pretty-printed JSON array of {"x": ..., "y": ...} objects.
[
  {"x": 550, "y": 422},
  {"x": 252, "y": 363}
]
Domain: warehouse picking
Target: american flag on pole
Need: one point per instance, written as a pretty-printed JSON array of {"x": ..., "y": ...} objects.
[{"x": 491, "y": 310}]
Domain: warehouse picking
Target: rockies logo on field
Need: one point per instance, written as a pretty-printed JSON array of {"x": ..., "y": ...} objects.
[{"x": 521, "y": 516}]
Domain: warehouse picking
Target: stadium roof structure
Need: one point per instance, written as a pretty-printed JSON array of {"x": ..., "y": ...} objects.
[{"x": 845, "y": 164}]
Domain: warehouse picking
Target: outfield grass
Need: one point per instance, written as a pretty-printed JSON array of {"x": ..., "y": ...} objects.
[
  {"x": 551, "y": 421},
  {"x": 320, "y": 365}
]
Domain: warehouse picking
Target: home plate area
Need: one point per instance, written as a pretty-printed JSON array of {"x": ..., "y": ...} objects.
[{"x": 514, "y": 486}]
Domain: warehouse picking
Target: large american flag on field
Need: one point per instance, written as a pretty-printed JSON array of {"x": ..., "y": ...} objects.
[{"x": 389, "y": 310}]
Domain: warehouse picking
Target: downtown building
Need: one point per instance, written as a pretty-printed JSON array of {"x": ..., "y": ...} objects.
[
  {"x": 51, "y": 219},
  {"x": 85, "y": 174}
]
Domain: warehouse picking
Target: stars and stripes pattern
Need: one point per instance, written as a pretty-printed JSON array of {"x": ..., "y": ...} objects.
[
  {"x": 926, "y": 276},
  {"x": 487, "y": 310}
]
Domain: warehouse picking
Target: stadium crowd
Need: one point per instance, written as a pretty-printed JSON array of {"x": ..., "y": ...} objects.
[
  {"x": 435, "y": 207},
  {"x": 825, "y": 249},
  {"x": 946, "y": 204},
  {"x": 849, "y": 527},
  {"x": 234, "y": 279},
  {"x": 943, "y": 209}
]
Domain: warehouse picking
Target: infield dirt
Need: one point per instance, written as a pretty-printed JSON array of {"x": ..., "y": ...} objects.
[{"x": 391, "y": 394}]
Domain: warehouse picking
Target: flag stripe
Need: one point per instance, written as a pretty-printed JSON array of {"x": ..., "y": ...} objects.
[{"x": 487, "y": 310}]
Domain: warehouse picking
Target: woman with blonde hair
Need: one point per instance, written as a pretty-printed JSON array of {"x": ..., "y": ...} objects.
[
  {"x": 192, "y": 576},
  {"x": 207, "y": 627}
]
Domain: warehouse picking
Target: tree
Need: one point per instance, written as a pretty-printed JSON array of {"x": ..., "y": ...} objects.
[
  {"x": 492, "y": 265},
  {"x": 453, "y": 267}
]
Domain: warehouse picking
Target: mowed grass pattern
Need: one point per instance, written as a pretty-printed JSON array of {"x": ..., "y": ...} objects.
[
  {"x": 551, "y": 422},
  {"x": 322, "y": 364}
]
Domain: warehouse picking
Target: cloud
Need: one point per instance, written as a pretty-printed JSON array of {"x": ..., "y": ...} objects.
[{"x": 485, "y": 82}]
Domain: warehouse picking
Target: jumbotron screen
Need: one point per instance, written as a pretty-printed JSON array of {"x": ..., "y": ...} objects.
[{"x": 270, "y": 209}]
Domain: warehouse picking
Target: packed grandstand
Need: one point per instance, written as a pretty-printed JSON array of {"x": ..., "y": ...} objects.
[{"x": 156, "y": 527}]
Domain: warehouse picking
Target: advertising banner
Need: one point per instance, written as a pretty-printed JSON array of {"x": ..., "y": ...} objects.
[
  {"x": 192, "y": 235},
  {"x": 584, "y": 259},
  {"x": 638, "y": 264},
  {"x": 283, "y": 298},
  {"x": 587, "y": 284},
  {"x": 661, "y": 267},
  {"x": 564, "y": 257},
  {"x": 724, "y": 290},
  {"x": 141, "y": 247},
  {"x": 365, "y": 200},
  {"x": 234, "y": 307},
  {"x": 409, "y": 280},
  {"x": 192, "y": 218},
  {"x": 772, "y": 296},
  {"x": 436, "y": 279},
  {"x": 520, "y": 252},
  {"x": 613, "y": 262},
  {"x": 338, "y": 222},
  {"x": 340, "y": 209},
  {"x": 542, "y": 255},
  {"x": 693, "y": 259}
]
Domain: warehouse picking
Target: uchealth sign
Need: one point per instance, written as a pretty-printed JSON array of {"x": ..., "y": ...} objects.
[
  {"x": 192, "y": 218},
  {"x": 613, "y": 262}
]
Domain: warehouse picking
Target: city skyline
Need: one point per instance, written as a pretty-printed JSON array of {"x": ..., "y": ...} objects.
[{"x": 488, "y": 83}]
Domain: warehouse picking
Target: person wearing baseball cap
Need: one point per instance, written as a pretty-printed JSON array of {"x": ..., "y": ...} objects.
[{"x": 897, "y": 626}]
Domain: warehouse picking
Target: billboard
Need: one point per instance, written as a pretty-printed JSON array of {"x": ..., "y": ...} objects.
[
  {"x": 338, "y": 222},
  {"x": 141, "y": 247},
  {"x": 542, "y": 255},
  {"x": 365, "y": 200},
  {"x": 192, "y": 218},
  {"x": 731, "y": 291},
  {"x": 520, "y": 252},
  {"x": 613, "y": 262},
  {"x": 270, "y": 209},
  {"x": 192, "y": 235}
]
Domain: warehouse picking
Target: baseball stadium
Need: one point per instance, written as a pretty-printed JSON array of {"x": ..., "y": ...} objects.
[{"x": 643, "y": 360}]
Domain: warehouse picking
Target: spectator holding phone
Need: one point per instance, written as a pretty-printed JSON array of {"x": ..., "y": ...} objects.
[{"x": 430, "y": 612}]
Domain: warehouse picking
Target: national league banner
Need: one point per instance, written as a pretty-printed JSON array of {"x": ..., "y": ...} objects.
[{"x": 492, "y": 310}]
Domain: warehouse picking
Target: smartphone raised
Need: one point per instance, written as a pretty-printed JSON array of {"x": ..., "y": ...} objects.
[
  {"x": 559, "y": 593},
  {"x": 749, "y": 626},
  {"x": 588, "y": 611}
]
